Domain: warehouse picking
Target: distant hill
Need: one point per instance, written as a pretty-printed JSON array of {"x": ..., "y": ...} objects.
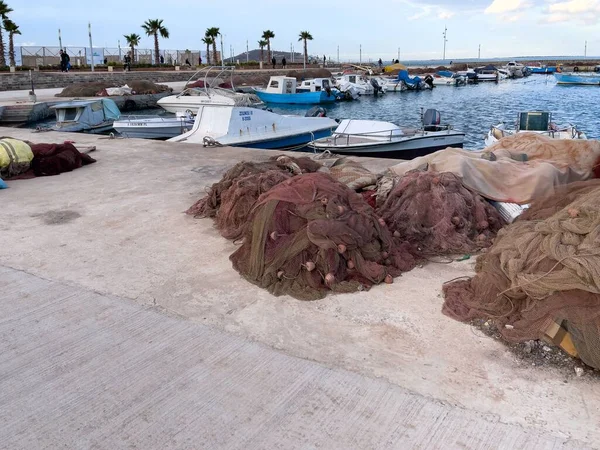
[{"x": 254, "y": 55}]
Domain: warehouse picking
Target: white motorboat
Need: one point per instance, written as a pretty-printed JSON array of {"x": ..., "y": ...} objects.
[
  {"x": 242, "y": 126},
  {"x": 157, "y": 127},
  {"x": 539, "y": 122},
  {"x": 455, "y": 80},
  {"x": 395, "y": 85},
  {"x": 490, "y": 73},
  {"x": 356, "y": 83},
  {"x": 384, "y": 139},
  {"x": 191, "y": 98}
]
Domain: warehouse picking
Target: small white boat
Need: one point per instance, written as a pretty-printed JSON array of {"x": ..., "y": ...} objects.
[
  {"x": 455, "y": 80},
  {"x": 242, "y": 126},
  {"x": 490, "y": 73},
  {"x": 87, "y": 116},
  {"x": 191, "y": 98},
  {"x": 355, "y": 83},
  {"x": 535, "y": 122},
  {"x": 395, "y": 85},
  {"x": 384, "y": 139},
  {"x": 145, "y": 127}
]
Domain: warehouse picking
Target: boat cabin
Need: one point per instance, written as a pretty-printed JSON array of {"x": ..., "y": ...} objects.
[
  {"x": 315, "y": 85},
  {"x": 534, "y": 121},
  {"x": 352, "y": 78},
  {"x": 281, "y": 85}
]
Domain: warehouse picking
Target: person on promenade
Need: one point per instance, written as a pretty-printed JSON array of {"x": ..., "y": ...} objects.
[
  {"x": 64, "y": 61},
  {"x": 380, "y": 62},
  {"x": 127, "y": 62},
  {"x": 283, "y": 62},
  {"x": 274, "y": 62},
  {"x": 162, "y": 59}
]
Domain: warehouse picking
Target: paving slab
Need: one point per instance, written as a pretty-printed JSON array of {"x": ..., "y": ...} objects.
[
  {"x": 117, "y": 227},
  {"x": 85, "y": 370}
]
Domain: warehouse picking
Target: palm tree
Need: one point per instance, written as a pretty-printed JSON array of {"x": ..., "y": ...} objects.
[
  {"x": 4, "y": 11},
  {"x": 12, "y": 29},
  {"x": 305, "y": 36},
  {"x": 154, "y": 27},
  {"x": 133, "y": 40},
  {"x": 208, "y": 41},
  {"x": 262, "y": 44},
  {"x": 267, "y": 36},
  {"x": 214, "y": 33}
]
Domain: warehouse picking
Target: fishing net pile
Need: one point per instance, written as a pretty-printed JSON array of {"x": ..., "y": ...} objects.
[
  {"x": 230, "y": 200},
  {"x": 545, "y": 267},
  {"x": 311, "y": 235},
  {"x": 438, "y": 215},
  {"x": 98, "y": 88}
]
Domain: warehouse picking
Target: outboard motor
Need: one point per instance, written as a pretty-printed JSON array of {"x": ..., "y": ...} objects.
[
  {"x": 376, "y": 86},
  {"x": 431, "y": 120},
  {"x": 316, "y": 111},
  {"x": 429, "y": 80}
]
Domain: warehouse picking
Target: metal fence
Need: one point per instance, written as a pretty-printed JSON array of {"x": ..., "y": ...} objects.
[{"x": 45, "y": 56}]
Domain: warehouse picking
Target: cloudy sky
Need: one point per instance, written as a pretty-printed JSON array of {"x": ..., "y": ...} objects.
[{"x": 501, "y": 27}]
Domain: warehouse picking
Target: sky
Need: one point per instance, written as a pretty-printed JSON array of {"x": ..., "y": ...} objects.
[{"x": 381, "y": 29}]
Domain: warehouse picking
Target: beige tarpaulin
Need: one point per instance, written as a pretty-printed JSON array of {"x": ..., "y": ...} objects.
[{"x": 526, "y": 165}]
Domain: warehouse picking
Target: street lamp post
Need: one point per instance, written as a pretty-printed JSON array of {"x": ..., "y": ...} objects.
[
  {"x": 360, "y": 54},
  {"x": 445, "y": 40},
  {"x": 91, "y": 46},
  {"x": 59, "y": 39},
  {"x": 222, "y": 54}
]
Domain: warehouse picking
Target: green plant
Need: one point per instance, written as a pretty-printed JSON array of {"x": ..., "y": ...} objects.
[{"x": 154, "y": 27}]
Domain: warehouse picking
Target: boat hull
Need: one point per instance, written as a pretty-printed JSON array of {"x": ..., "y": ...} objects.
[
  {"x": 572, "y": 78},
  {"x": 283, "y": 142},
  {"x": 407, "y": 149},
  {"x": 305, "y": 98},
  {"x": 157, "y": 128}
]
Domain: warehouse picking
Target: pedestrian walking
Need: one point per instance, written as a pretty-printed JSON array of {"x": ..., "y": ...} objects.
[
  {"x": 64, "y": 61},
  {"x": 274, "y": 62},
  {"x": 283, "y": 62},
  {"x": 162, "y": 59},
  {"x": 127, "y": 62}
]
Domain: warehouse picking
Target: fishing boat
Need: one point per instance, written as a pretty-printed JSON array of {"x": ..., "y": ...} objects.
[
  {"x": 87, "y": 116},
  {"x": 242, "y": 126},
  {"x": 283, "y": 89},
  {"x": 355, "y": 83},
  {"x": 157, "y": 127},
  {"x": 539, "y": 122},
  {"x": 542, "y": 69},
  {"x": 324, "y": 84},
  {"x": 385, "y": 139},
  {"x": 587, "y": 79},
  {"x": 444, "y": 79},
  {"x": 517, "y": 70}
]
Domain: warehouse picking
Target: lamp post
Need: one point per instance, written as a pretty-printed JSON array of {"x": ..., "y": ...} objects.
[
  {"x": 222, "y": 63},
  {"x": 360, "y": 54},
  {"x": 119, "y": 45},
  {"x": 445, "y": 40},
  {"x": 479, "y": 52},
  {"x": 585, "y": 50},
  {"x": 338, "y": 54},
  {"x": 59, "y": 39},
  {"x": 247, "y": 53},
  {"x": 91, "y": 46}
]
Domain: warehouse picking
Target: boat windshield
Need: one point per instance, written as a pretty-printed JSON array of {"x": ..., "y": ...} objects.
[{"x": 68, "y": 114}]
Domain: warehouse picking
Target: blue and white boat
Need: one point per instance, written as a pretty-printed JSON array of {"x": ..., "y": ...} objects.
[
  {"x": 284, "y": 90},
  {"x": 242, "y": 126},
  {"x": 542, "y": 69},
  {"x": 88, "y": 116},
  {"x": 588, "y": 79}
]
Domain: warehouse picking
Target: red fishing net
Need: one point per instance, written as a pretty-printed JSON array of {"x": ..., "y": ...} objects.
[
  {"x": 311, "y": 235},
  {"x": 544, "y": 267},
  {"x": 231, "y": 199},
  {"x": 436, "y": 213}
]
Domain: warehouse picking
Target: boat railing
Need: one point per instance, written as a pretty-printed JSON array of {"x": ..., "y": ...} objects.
[
  {"x": 385, "y": 135},
  {"x": 205, "y": 71}
]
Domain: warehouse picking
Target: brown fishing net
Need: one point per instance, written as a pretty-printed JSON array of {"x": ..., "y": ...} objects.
[
  {"x": 231, "y": 199},
  {"x": 544, "y": 267},
  {"x": 436, "y": 213},
  {"x": 311, "y": 235}
]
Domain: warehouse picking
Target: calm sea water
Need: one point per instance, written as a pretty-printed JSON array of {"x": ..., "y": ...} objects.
[{"x": 474, "y": 108}]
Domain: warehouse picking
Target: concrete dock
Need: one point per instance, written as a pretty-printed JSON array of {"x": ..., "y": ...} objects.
[{"x": 124, "y": 326}]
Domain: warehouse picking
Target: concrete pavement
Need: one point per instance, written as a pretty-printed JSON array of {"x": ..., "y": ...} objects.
[
  {"x": 117, "y": 228},
  {"x": 84, "y": 370}
]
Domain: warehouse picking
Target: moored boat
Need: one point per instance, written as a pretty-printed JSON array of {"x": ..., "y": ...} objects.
[
  {"x": 539, "y": 122},
  {"x": 587, "y": 79},
  {"x": 154, "y": 127},
  {"x": 255, "y": 128},
  {"x": 385, "y": 139},
  {"x": 283, "y": 89},
  {"x": 87, "y": 116}
]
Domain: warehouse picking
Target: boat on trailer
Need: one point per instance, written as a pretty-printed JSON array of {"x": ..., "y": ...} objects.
[
  {"x": 242, "y": 126},
  {"x": 539, "y": 122},
  {"x": 387, "y": 140}
]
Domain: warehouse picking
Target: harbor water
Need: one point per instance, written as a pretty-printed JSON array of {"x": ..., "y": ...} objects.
[{"x": 476, "y": 107}]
